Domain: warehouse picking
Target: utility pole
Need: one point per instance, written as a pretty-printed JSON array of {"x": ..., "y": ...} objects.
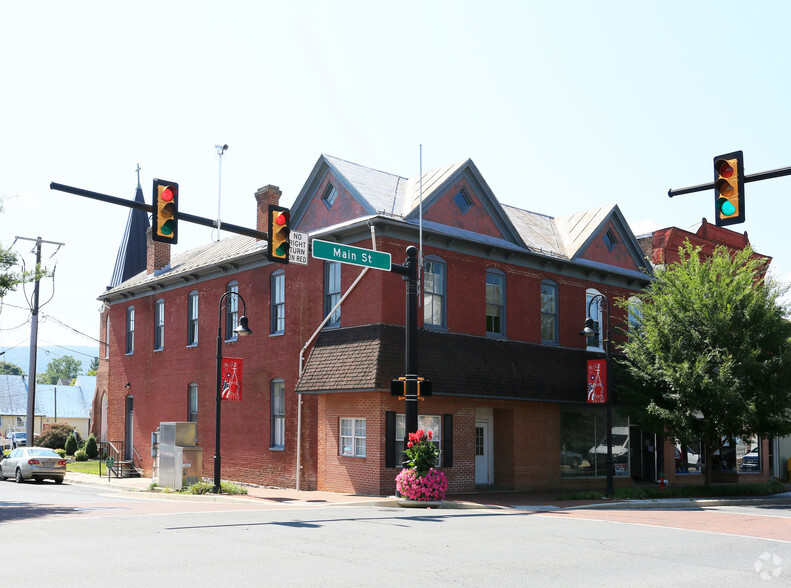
[
  {"x": 31, "y": 372},
  {"x": 409, "y": 271}
]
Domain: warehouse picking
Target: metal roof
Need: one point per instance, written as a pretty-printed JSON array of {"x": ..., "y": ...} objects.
[{"x": 51, "y": 401}]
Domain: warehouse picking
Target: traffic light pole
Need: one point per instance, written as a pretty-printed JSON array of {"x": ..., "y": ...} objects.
[
  {"x": 182, "y": 216},
  {"x": 756, "y": 177},
  {"x": 409, "y": 270}
]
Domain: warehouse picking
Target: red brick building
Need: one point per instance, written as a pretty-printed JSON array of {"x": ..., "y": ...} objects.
[{"x": 504, "y": 295}]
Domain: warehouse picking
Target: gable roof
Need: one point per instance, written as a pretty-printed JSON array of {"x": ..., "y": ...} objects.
[{"x": 51, "y": 401}]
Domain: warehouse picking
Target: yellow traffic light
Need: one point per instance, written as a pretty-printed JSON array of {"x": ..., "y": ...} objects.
[
  {"x": 278, "y": 233},
  {"x": 729, "y": 189},
  {"x": 165, "y": 217}
]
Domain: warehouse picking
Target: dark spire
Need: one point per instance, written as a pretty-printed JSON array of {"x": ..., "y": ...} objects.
[{"x": 131, "y": 258}]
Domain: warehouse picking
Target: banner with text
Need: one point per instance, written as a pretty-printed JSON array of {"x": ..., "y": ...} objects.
[{"x": 231, "y": 384}]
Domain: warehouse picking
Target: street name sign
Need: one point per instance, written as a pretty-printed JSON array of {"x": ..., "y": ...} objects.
[
  {"x": 298, "y": 248},
  {"x": 350, "y": 254}
]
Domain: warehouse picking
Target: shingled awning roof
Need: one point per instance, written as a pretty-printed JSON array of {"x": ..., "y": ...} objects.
[{"x": 367, "y": 358}]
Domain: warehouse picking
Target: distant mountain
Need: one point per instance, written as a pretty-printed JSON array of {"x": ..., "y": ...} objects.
[{"x": 21, "y": 356}]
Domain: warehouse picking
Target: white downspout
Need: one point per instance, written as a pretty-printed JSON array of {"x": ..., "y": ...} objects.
[{"x": 302, "y": 355}]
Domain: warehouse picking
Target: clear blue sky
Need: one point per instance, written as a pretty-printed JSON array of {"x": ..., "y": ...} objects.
[{"x": 563, "y": 106}]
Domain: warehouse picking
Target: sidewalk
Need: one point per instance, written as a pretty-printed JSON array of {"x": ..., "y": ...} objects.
[{"x": 531, "y": 501}]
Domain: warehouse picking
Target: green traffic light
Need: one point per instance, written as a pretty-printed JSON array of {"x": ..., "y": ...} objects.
[
  {"x": 726, "y": 207},
  {"x": 167, "y": 227}
]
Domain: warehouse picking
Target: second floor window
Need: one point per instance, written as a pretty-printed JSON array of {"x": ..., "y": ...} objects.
[
  {"x": 495, "y": 303},
  {"x": 332, "y": 291},
  {"x": 130, "y": 330},
  {"x": 278, "y": 297},
  {"x": 549, "y": 312},
  {"x": 192, "y": 319},
  {"x": 231, "y": 311},
  {"x": 434, "y": 293},
  {"x": 159, "y": 325},
  {"x": 594, "y": 311}
]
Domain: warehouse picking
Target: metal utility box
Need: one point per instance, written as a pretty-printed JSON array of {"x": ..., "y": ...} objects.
[{"x": 180, "y": 461}]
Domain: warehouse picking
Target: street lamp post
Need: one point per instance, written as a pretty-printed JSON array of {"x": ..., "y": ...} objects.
[
  {"x": 241, "y": 330},
  {"x": 590, "y": 332}
]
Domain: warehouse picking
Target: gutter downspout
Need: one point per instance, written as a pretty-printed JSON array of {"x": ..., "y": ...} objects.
[{"x": 302, "y": 355}]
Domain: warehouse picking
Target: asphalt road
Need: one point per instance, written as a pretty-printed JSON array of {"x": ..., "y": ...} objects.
[{"x": 90, "y": 537}]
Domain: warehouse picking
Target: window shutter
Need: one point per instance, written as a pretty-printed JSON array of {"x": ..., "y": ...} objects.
[
  {"x": 447, "y": 440},
  {"x": 390, "y": 433}
]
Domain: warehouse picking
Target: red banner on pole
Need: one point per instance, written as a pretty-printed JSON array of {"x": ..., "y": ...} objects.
[
  {"x": 231, "y": 384},
  {"x": 597, "y": 381}
]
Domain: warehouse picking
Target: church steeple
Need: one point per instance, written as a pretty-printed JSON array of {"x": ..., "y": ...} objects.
[{"x": 131, "y": 259}]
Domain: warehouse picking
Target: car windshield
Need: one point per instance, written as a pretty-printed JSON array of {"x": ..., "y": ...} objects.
[{"x": 42, "y": 452}]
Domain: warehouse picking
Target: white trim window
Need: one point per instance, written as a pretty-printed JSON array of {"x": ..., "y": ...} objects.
[
  {"x": 278, "y": 302},
  {"x": 192, "y": 319},
  {"x": 434, "y": 293},
  {"x": 231, "y": 311},
  {"x": 427, "y": 422},
  {"x": 495, "y": 303},
  {"x": 277, "y": 437},
  {"x": 332, "y": 291},
  {"x": 549, "y": 312},
  {"x": 352, "y": 437},
  {"x": 595, "y": 342},
  {"x": 130, "y": 330},
  {"x": 192, "y": 403},
  {"x": 159, "y": 325}
]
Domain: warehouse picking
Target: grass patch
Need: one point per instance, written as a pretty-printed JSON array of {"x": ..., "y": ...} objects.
[
  {"x": 717, "y": 491},
  {"x": 86, "y": 467},
  {"x": 208, "y": 488}
]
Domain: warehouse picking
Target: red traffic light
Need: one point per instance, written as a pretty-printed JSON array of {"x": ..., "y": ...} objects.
[
  {"x": 729, "y": 189},
  {"x": 165, "y": 211}
]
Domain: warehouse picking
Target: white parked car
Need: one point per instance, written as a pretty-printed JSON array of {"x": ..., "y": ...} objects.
[{"x": 38, "y": 463}]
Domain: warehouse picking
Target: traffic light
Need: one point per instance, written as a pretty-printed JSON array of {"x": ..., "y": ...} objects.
[
  {"x": 166, "y": 212},
  {"x": 729, "y": 189},
  {"x": 278, "y": 230},
  {"x": 398, "y": 387}
]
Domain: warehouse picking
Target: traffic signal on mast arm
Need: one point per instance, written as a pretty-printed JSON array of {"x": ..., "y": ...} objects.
[
  {"x": 729, "y": 189},
  {"x": 166, "y": 212},
  {"x": 278, "y": 230}
]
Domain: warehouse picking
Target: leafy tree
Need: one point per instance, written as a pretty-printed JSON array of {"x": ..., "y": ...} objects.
[
  {"x": 11, "y": 369},
  {"x": 94, "y": 367},
  {"x": 55, "y": 436},
  {"x": 711, "y": 357},
  {"x": 71, "y": 445},
  {"x": 60, "y": 367}
]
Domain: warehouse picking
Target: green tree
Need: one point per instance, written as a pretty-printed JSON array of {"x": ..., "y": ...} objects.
[
  {"x": 55, "y": 436},
  {"x": 11, "y": 369},
  {"x": 711, "y": 355},
  {"x": 94, "y": 367},
  {"x": 71, "y": 445},
  {"x": 60, "y": 367}
]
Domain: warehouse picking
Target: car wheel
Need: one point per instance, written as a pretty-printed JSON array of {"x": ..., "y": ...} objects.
[
  {"x": 59, "y": 480},
  {"x": 575, "y": 462},
  {"x": 19, "y": 478}
]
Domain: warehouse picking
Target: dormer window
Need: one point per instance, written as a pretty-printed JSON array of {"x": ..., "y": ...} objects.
[
  {"x": 463, "y": 201},
  {"x": 329, "y": 196},
  {"x": 610, "y": 240}
]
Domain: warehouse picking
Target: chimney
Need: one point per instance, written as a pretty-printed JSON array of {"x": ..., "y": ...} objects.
[
  {"x": 157, "y": 254},
  {"x": 264, "y": 197}
]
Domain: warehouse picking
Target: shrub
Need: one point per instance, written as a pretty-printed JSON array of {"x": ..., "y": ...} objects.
[
  {"x": 61, "y": 452},
  {"x": 81, "y": 456},
  {"x": 55, "y": 436},
  {"x": 208, "y": 488},
  {"x": 91, "y": 447},
  {"x": 71, "y": 445}
]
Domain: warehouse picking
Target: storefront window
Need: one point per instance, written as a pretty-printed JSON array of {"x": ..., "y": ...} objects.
[
  {"x": 689, "y": 458},
  {"x": 739, "y": 455},
  {"x": 583, "y": 450}
]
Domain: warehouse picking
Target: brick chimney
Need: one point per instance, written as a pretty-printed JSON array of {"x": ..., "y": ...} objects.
[
  {"x": 157, "y": 254},
  {"x": 264, "y": 197}
]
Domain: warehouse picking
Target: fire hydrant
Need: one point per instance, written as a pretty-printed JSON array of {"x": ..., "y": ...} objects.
[{"x": 663, "y": 483}]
